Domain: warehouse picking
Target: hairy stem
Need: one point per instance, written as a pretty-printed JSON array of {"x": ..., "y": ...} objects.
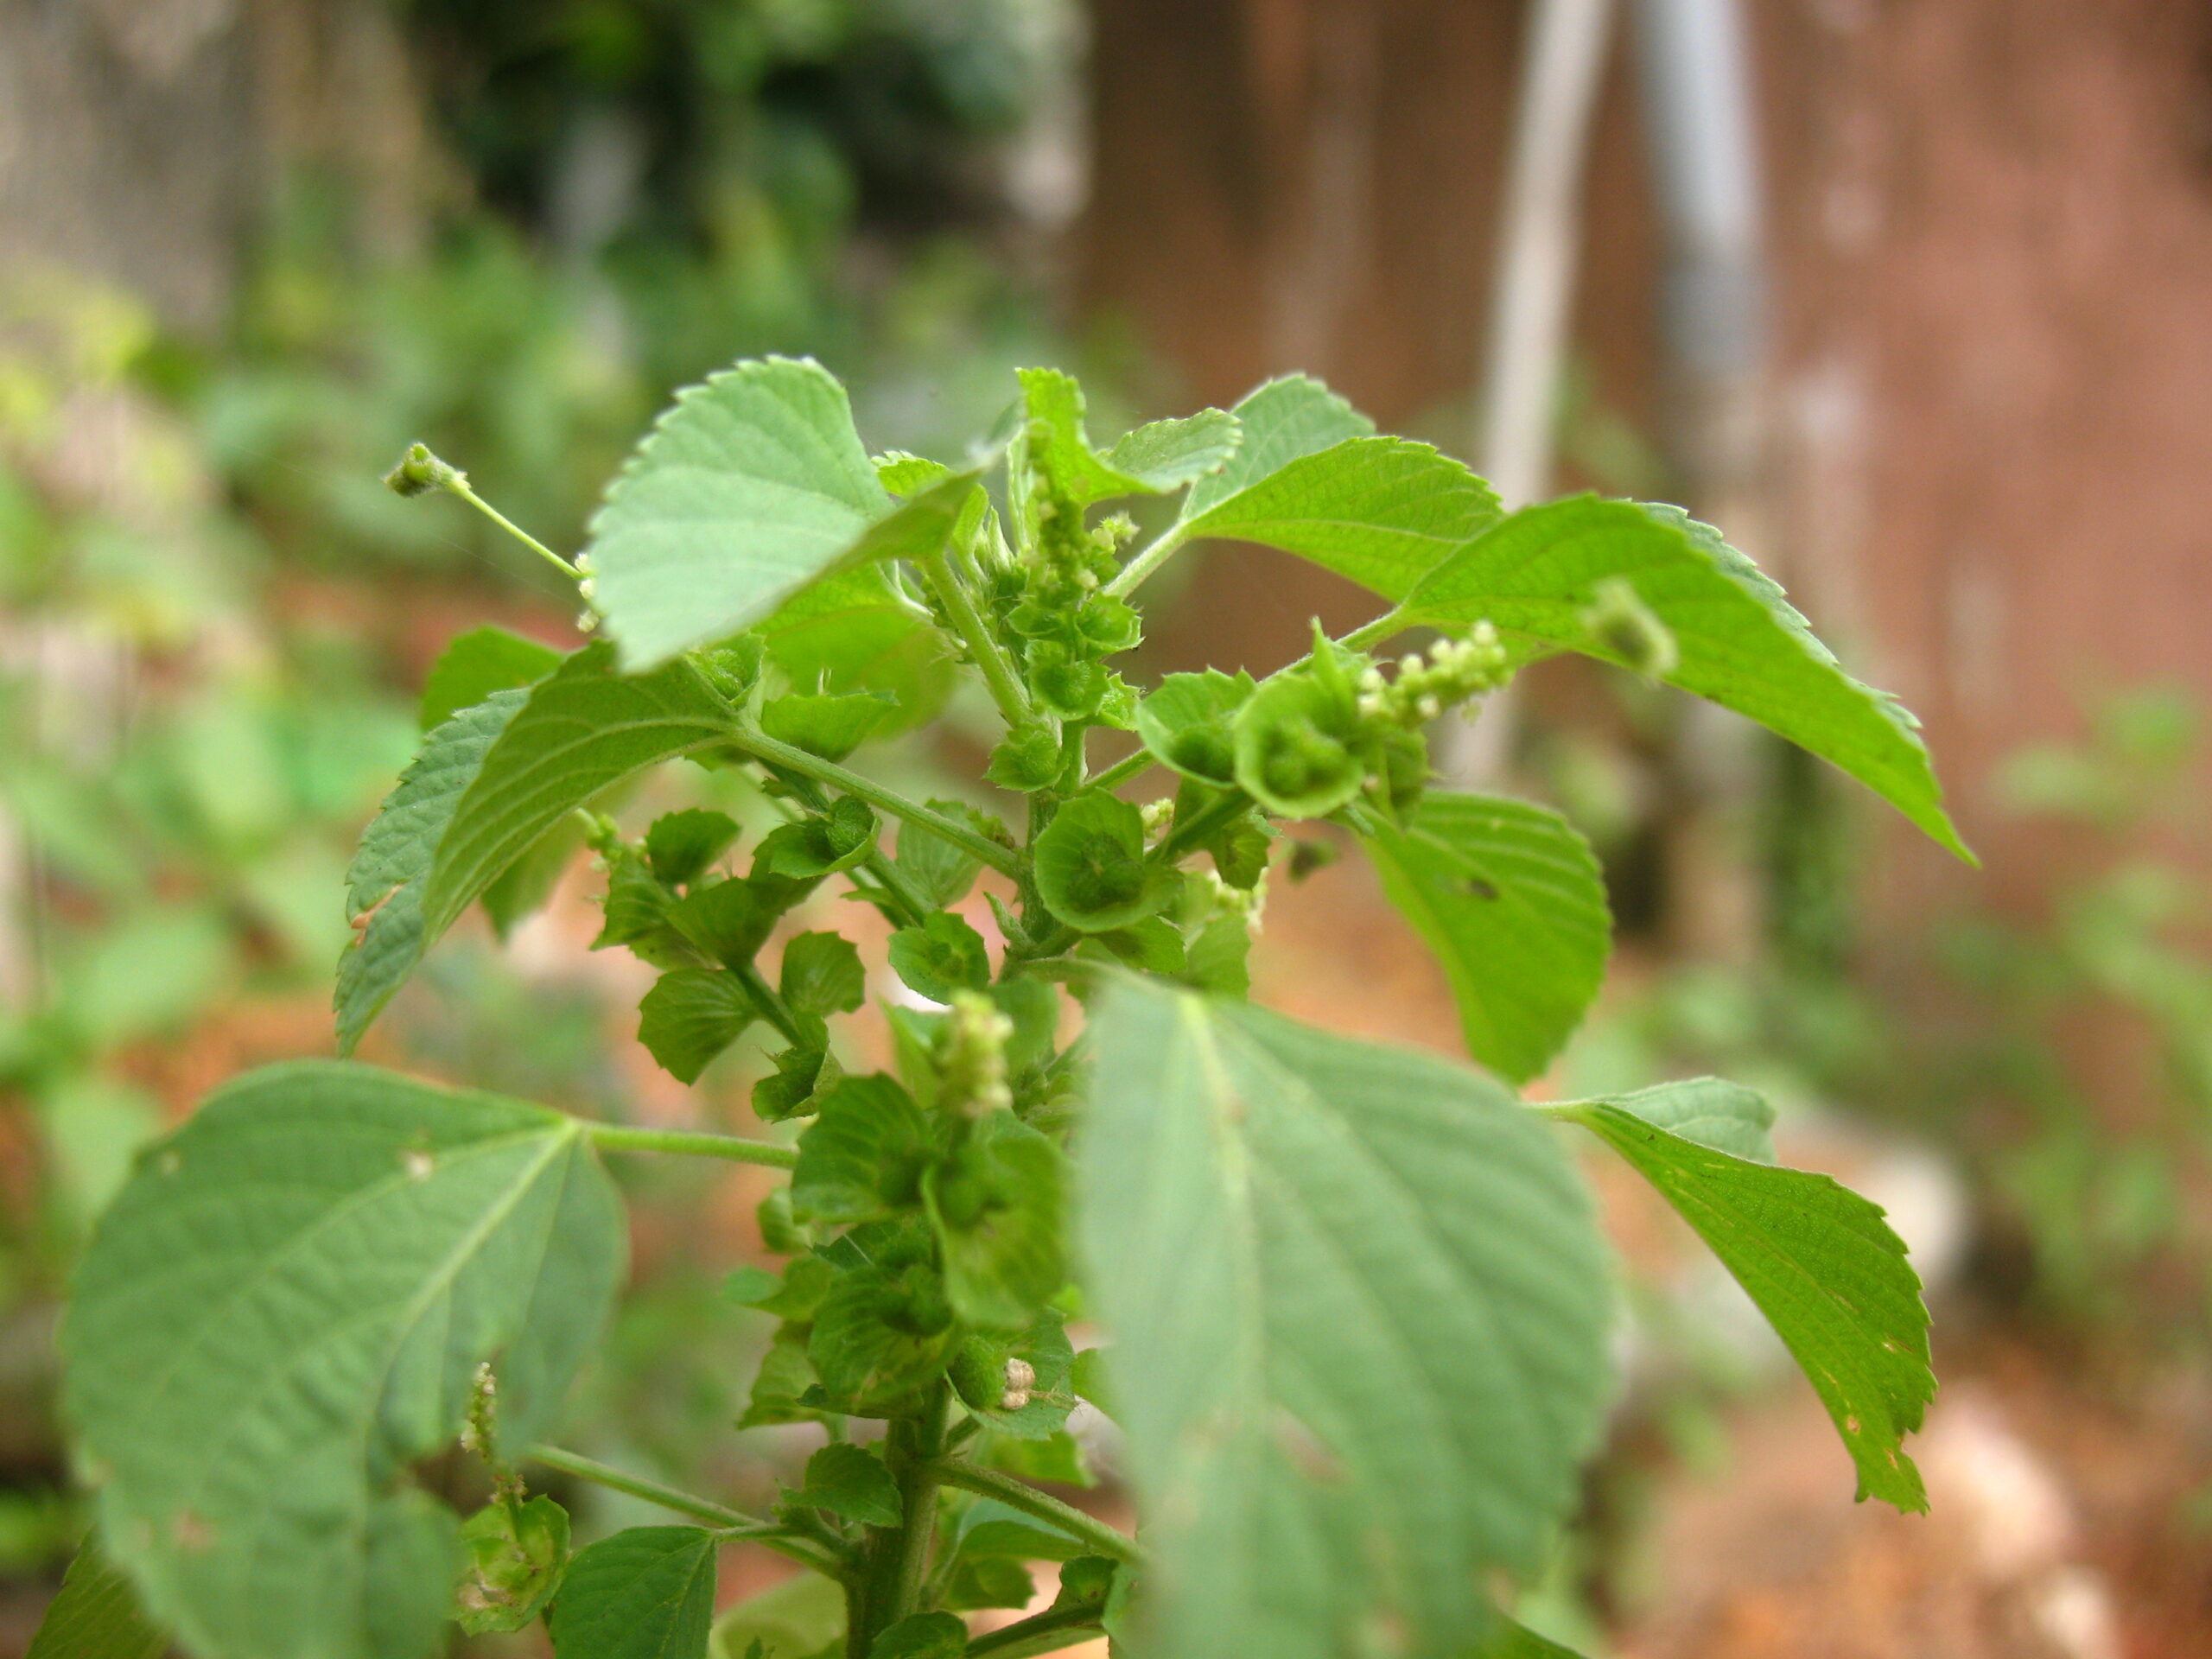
[
  {"x": 458, "y": 485},
  {"x": 760, "y": 746},
  {"x": 1045, "y": 1632},
  {"x": 621, "y": 1137},
  {"x": 669, "y": 1498},
  {"x": 769, "y": 1003},
  {"x": 1020, "y": 1495},
  {"x": 960, "y": 605},
  {"x": 1149, "y": 559},
  {"x": 1123, "y": 769}
]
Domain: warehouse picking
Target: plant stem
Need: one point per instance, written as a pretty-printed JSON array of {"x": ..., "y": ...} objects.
[
  {"x": 762, "y": 747},
  {"x": 1186, "y": 837},
  {"x": 918, "y": 1484},
  {"x": 458, "y": 485},
  {"x": 1391, "y": 621},
  {"x": 669, "y": 1498},
  {"x": 1020, "y": 1495},
  {"x": 975, "y": 634},
  {"x": 1123, "y": 769},
  {"x": 879, "y": 866},
  {"x": 1045, "y": 1632},
  {"x": 1125, "y": 582},
  {"x": 769, "y": 1004},
  {"x": 621, "y": 1137}
]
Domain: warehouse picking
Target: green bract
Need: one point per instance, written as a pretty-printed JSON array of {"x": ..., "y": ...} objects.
[{"x": 1354, "y": 1302}]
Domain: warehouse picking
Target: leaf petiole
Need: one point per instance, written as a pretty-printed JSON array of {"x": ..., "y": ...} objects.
[
  {"x": 622, "y": 1137},
  {"x": 1161, "y": 549},
  {"x": 762, "y": 747},
  {"x": 1020, "y": 1495},
  {"x": 1046, "y": 1632},
  {"x": 960, "y": 606}
]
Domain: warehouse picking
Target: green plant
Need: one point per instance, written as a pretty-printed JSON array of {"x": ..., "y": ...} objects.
[{"x": 1358, "y": 1298}]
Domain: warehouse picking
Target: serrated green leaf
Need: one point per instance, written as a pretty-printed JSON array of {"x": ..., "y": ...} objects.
[
  {"x": 516, "y": 1557},
  {"x": 1362, "y": 1307},
  {"x": 383, "y": 885},
  {"x": 285, "y": 1307},
  {"x": 731, "y": 920},
  {"x": 1511, "y": 898},
  {"x": 1091, "y": 869},
  {"x": 819, "y": 844},
  {"x": 796, "y": 1619},
  {"x": 646, "y": 1593},
  {"x": 1821, "y": 1264},
  {"x": 996, "y": 1204},
  {"x": 691, "y": 1015},
  {"x": 804, "y": 1074},
  {"x": 1298, "y": 740},
  {"x": 942, "y": 955},
  {"x": 857, "y": 632},
  {"x": 978, "y": 1374},
  {"x": 1281, "y": 419},
  {"x": 903, "y": 473},
  {"x": 1167, "y": 454},
  {"x": 96, "y": 1615},
  {"x": 582, "y": 730},
  {"x": 863, "y": 1155},
  {"x": 1381, "y": 511},
  {"x": 990, "y": 1581},
  {"x": 1057, "y": 1460},
  {"x": 851, "y": 1481},
  {"x": 751, "y": 486},
  {"x": 1185, "y": 723},
  {"x": 822, "y": 975},
  {"x": 988, "y": 1528},
  {"x": 477, "y": 664},
  {"x": 1736, "y": 640},
  {"x": 880, "y": 1338},
  {"x": 680, "y": 845}
]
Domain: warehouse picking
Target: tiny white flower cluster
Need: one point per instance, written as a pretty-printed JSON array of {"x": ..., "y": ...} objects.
[{"x": 1454, "y": 671}]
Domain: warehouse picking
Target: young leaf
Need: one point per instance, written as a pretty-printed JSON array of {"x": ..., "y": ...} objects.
[
  {"x": 516, "y": 1557},
  {"x": 691, "y": 1015},
  {"x": 799, "y": 1619},
  {"x": 680, "y": 845},
  {"x": 818, "y": 845},
  {"x": 804, "y": 1074},
  {"x": 880, "y": 1337},
  {"x": 1511, "y": 900},
  {"x": 97, "y": 1616},
  {"x": 996, "y": 1206},
  {"x": 379, "y": 1238},
  {"x": 1185, "y": 723},
  {"x": 1168, "y": 454},
  {"x": 1362, "y": 1312},
  {"x": 849, "y": 1480},
  {"x": 731, "y": 920},
  {"x": 1736, "y": 640},
  {"x": 1294, "y": 751},
  {"x": 384, "y": 885},
  {"x": 944, "y": 955},
  {"x": 582, "y": 730},
  {"x": 1281, "y": 419},
  {"x": 646, "y": 1593},
  {"x": 1819, "y": 1259},
  {"x": 1091, "y": 869},
  {"x": 863, "y": 1155},
  {"x": 1383, "y": 512},
  {"x": 830, "y": 724},
  {"x": 754, "y": 484},
  {"x": 822, "y": 975},
  {"x": 857, "y": 632},
  {"x": 924, "y": 1636},
  {"x": 477, "y": 664}
]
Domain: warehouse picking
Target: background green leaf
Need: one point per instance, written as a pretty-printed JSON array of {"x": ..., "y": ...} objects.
[
  {"x": 646, "y": 1593},
  {"x": 691, "y": 1015},
  {"x": 96, "y": 1615},
  {"x": 1737, "y": 640},
  {"x": 1360, "y": 1304},
  {"x": 1167, "y": 454},
  {"x": 1511, "y": 898},
  {"x": 479, "y": 662},
  {"x": 285, "y": 1307},
  {"x": 1823, "y": 1267}
]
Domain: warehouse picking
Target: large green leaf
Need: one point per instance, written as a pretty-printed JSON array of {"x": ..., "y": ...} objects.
[
  {"x": 582, "y": 731},
  {"x": 383, "y": 886},
  {"x": 1361, "y": 1306},
  {"x": 1383, "y": 512},
  {"x": 1511, "y": 900},
  {"x": 1819, "y": 1259},
  {"x": 1281, "y": 419},
  {"x": 97, "y": 1616},
  {"x": 752, "y": 486},
  {"x": 646, "y": 1593},
  {"x": 1543, "y": 577},
  {"x": 285, "y": 1308}
]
